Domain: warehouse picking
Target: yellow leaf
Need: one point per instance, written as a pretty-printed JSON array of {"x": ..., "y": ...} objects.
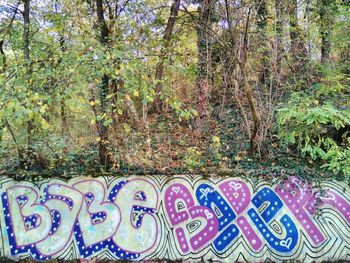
[
  {"x": 216, "y": 139},
  {"x": 120, "y": 112},
  {"x": 93, "y": 121},
  {"x": 127, "y": 97},
  {"x": 43, "y": 109},
  {"x": 44, "y": 124},
  {"x": 136, "y": 93}
]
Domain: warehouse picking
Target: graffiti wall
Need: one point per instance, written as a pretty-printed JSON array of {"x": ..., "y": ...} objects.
[{"x": 178, "y": 217}]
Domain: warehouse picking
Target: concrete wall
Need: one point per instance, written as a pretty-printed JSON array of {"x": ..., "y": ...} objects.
[{"x": 178, "y": 217}]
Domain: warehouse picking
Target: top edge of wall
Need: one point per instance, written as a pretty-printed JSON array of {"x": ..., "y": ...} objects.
[{"x": 26, "y": 176}]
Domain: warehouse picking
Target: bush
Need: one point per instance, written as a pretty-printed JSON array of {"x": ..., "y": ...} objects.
[{"x": 317, "y": 122}]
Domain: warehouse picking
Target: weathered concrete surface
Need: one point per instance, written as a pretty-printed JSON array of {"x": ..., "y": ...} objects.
[{"x": 180, "y": 217}]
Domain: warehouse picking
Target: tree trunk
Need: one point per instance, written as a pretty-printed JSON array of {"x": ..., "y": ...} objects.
[
  {"x": 174, "y": 11},
  {"x": 104, "y": 153},
  {"x": 26, "y": 32},
  {"x": 3, "y": 57},
  {"x": 262, "y": 12},
  {"x": 247, "y": 89},
  {"x": 204, "y": 62},
  {"x": 325, "y": 10},
  {"x": 63, "y": 106},
  {"x": 18, "y": 146},
  {"x": 30, "y": 155},
  {"x": 308, "y": 25},
  {"x": 278, "y": 41},
  {"x": 298, "y": 48},
  {"x": 63, "y": 117}
]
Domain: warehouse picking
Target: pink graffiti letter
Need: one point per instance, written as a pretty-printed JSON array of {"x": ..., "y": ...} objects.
[
  {"x": 296, "y": 195},
  {"x": 201, "y": 225},
  {"x": 238, "y": 195}
]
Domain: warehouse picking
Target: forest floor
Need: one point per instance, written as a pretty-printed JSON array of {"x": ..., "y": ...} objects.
[{"x": 169, "y": 146}]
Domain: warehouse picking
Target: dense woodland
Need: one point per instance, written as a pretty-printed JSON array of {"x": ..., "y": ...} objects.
[{"x": 176, "y": 86}]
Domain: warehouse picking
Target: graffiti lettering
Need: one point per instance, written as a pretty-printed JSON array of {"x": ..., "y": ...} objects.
[{"x": 143, "y": 218}]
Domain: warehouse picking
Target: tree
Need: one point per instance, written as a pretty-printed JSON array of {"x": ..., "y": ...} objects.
[
  {"x": 105, "y": 156},
  {"x": 204, "y": 83},
  {"x": 262, "y": 24},
  {"x": 297, "y": 38},
  {"x": 326, "y": 11},
  {"x": 279, "y": 39},
  {"x": 30, "y": 154},
  {"x": 239, "y": 50},
  {"x": 174, "y": 11}
]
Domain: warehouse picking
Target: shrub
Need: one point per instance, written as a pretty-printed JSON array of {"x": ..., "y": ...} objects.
[{"x": 317, "y": 122}]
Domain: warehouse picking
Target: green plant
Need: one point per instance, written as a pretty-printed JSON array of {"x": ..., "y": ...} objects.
[
  {"x": 193, "y": 158},
  {"x": 317, "y": 122},
  {"x": 215, "y": 150}
]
